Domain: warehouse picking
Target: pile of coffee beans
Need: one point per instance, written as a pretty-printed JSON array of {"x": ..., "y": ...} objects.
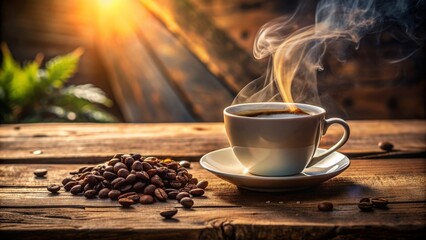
[
  {"x": 133, "y": 178},
  {"x": 368, "y": 204}
]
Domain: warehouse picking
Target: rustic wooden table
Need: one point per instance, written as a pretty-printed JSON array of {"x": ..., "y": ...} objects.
[{"x": 28, "y": 211}]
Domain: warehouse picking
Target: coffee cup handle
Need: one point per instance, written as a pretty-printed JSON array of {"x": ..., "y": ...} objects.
[{"x": 339, "y": 144}]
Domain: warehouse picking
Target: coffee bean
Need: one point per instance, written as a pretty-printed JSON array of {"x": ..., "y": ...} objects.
[
  {"x": 368, "y": 200},
  {"x": 146, "y": 166},
  {"x": 113, "y": 194},
  {"x": 149, "y": 189},
  {"x": 175, "y": 184},
  {"x": 173, "y": 165},
  {"x": 131, "y": 178},
  {"x": 113, "y": 161},
  {"x": 169, "y": 213},
  {"x": 151, "y": 172},
  {"x": 88, "y": 187},
  {"x": 196, "y": 192},
  {"x": 123, "y": 173},
  {"x": 386, "y": 146},
  {"x": 157, "y": 181},
  {"x": 118, "y": 182},
  {"x": 202, "y": 184},
  {"x": 89, "y": 194},
  {"x": 160, "y": 194},
  {"x": 106, "y": 183},
  {"x": 129, "y": 161},
  {"x": 193, "y": 181},
  {"x": 69, "y": 185},
  {"x": 187, "y": 202},
  {"x": 142, "y": 175},
  {"x": 40, "y": 172},
  {"x": 379, "y": 202},
  {"x": 125, "y": 202},
  {"x": 124, "y": 195},
  {"x": 185, "y": 164},
  {"x": 126, "y": 188},
  {"x": 119, "y": 166},
  {"x": 109, "y": 169},
  {"x": 118, "y": 155},
  {"x": 53, "y": 188},
  {"x": 137, "y": 166},
  {"x": 172, "y": 194},
  {"x": 124, "y": 156},
  {"x": 98, "y": 187},
  {"x": 167, "y": 190},
  {"x": 365, "y": 206},
  {"x": 77, "y": 189},
  {"x": 136, "y": 156},
  {"x": 92, "y": 179},
  {"x": 182, "y": 195},
  {"x": 109, "y": 175},
  {"x": 325, "y": 206},
  {"x": 66, "y": 180},
  {"x": 171, "y": 176},
  {"x": 139, "y": 186},
  {"x": 146, "y": 199},
  {"x": 104, "y": 193}
]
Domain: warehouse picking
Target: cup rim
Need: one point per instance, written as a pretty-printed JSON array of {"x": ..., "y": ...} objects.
[{"x": 317, "y": 110}]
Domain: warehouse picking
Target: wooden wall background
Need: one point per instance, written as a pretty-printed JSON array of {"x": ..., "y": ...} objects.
[{"x": 166, "y": 60}]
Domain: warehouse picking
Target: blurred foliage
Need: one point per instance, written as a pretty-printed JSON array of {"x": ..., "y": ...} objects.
[{"x": 29, "y": 93}]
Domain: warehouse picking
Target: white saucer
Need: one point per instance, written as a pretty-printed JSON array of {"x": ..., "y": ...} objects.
[{"x": 225, "y": 165}]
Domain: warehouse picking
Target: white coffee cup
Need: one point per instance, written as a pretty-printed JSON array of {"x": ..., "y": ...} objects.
[{"x": 278, "y": 145}]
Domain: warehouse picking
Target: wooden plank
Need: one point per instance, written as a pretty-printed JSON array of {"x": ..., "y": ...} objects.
[
  {"x": 295, "y": 222},
  {"x": 85, "y": 142},
  {"x": 225, "y": 211},
  {"x": 379, "y": 178},
  {"x": 210, "y": 44},
  {"x": 205, "y": 96}
]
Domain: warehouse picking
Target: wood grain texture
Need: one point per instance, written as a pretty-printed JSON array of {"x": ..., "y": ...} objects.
[
  {"x": 79, "y": 143},
  {"x": 225, "y": 212}
]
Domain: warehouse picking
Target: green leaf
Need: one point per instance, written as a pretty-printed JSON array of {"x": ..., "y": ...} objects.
[{"x": 61, "y": 68}]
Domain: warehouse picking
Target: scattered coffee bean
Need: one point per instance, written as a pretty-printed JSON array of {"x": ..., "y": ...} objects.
[
  {"x": 40, "y": 172},
  {"x": 126, "y": 188},
  {"x": 157, "y": 181},
  {"x": 325, "y": 206},
  {"x": 169, "y": 213},
  {"x": 185, "y": 164},
  {"x": 113, "y": 194},
  {"x": 113, "y": 161},
  {"x": 146, "y": 199},
  {"x": 89, "y": 194},
  {"x": 187, "y": 202},
  {"x": 182, "y": 195},
  {"x": 368, "y": 200},
  {"x": 160, "y": 194},
  {"x": 137, "y": 166},
  {"x": 386, "y": 146},
  {"x": 146, "y": 166},
  {"x": 202, "y": 184},
  {"x": 365, "y": 206},
  {"x": 53, "y": 188},
  {"x": 196, "y": 192},
  {"x": 125, "y": 202},
  {"x": 379, "y": 202},
  {"x": 104, "y": 193},
  {"x": 139, "y": 186}
]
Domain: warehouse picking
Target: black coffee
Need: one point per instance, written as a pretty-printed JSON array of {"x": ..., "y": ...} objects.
[{"x": 273, "y": 113}]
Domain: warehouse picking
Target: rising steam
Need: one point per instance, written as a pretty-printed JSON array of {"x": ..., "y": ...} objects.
[{"x": 295, "y": 55}]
